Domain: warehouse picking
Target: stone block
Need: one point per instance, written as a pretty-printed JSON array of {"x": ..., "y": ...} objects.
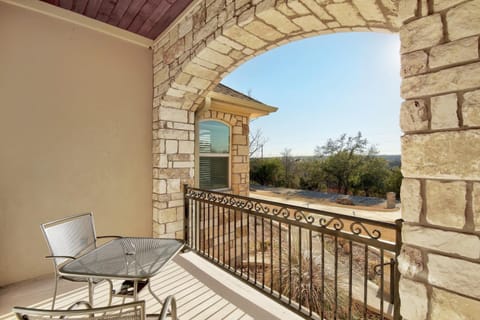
[
  {"x": 411, "y": 262},
  {"x": 243, "y": 37},
  {"x": 439, "y": 5},
  {"x": 414, "y": 299},
  {"x": 171, "y": 114},
  {"x": 230, "y": 43},
  {"x": 407, "y": 9},
  {"x": 317, "y": 9},
  {"x": 446, "y": 203},
  {"x": 454, "y": 274},
  {"x": 309, "y": 23},
  {"x": 447, "y": 305},
  {"x": 454, "y": 52},
  {"x": 422, "y": 33},
  {"x": 219, "y": 47},
  {"x": 447, "y": 155},
  {"x": 186, "y": 147},
  {"x": 414, "y": 63},
  {"x": 159, "y": 186},
  {"x": 471, "y": 108},
  {"x": 215, "y": 57},
  {"x": 464, "y": 20},
  {"x": 277, "y": 20},
  {"x": 200, "y": 72},
  {"x": 209, "y": 28},
  {"x": 167, "y": 215},
  {"x": 172, "y": 227},
  {"x": 263, "y": 31},
  {"x": 160, "y": 161},
  {"x": 239, "y": 139},
  {"x": 171, "y": 146},
  {"x": 369, "y": 10},
  {"x": 454, "y": 79},
  {"x": 414, "y": 115},
  {"x": 183, "y": 164},
  {"x": 346, "y": 14},
  {"x": 411, "y": 200},
  {"x": 444, "y": 111},
  {"x": 173, "y": 185},
  {"x": 476, "y": 205},
  {"x": 445, "y": 241}
]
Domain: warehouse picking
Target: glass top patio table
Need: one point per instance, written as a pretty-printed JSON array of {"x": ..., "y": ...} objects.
[{"x": 125, "y": 258}]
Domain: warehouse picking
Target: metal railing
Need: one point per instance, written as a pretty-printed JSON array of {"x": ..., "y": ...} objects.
[{"x": 320, "y": 264}]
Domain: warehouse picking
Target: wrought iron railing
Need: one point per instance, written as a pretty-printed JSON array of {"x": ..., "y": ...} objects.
[{"x": 320, "y": 264}]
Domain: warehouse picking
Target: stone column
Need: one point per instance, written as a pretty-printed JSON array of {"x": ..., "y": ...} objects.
[{"x": 440, "y": 261}]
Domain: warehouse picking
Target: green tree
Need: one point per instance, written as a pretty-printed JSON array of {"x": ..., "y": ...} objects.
[
  {"x": 288, "y": 168},
  {"x": 372, "y": 176},
  {"x": 394, "y": 181},
  {"x": 265, "y": 171},
  {"x": 342, "y": 158}
]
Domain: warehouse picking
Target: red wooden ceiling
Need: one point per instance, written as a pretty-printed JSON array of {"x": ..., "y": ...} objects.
[{"x": 144, "y": 17}]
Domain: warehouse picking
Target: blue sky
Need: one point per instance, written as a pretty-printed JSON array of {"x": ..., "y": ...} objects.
[{"x": 325, "y": 86}]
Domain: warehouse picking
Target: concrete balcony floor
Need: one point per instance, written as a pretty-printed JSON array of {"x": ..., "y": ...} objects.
[{"x": 202, "y": 290}]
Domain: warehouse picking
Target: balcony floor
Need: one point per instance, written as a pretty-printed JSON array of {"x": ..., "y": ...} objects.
[{"x": 202, "y": 290}]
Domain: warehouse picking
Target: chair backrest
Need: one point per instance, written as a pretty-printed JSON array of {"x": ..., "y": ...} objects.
[
  {"x": 127, "y": 311},
  {"x": 71, "y": 236}
]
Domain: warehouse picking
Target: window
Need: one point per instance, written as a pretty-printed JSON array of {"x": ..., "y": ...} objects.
[{"x": 214, "y": 142}]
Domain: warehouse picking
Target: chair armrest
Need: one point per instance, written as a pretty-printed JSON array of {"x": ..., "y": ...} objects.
[
  {"x": 103, "y": 237},
  {"x": 78, "y": 303},
  {"x": 64, "y": 257},
  {"x": 172, "y": 303}
]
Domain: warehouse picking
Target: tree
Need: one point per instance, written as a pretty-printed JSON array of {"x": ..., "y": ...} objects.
[
  {"x": 342, "y": 158},
  {"x": 372, "y": 176},
  {"x": 265, "y": 171},
  {"x": 288, "y": 166},
  {"x": 394, "y": 181},
  {"x": 257, "y": 141}
]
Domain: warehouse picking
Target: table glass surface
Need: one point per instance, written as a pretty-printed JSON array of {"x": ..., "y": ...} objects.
[{"x": 125, "y": 258}]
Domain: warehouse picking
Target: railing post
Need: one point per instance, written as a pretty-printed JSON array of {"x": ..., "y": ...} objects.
[
  {"x": 186, "y": 208},
  {"x": 398, "y": 247}
]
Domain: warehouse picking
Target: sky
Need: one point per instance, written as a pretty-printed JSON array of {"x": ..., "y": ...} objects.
[{"x": 325, "y": 86}]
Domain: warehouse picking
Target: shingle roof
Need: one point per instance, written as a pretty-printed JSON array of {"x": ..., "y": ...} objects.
[{"x": 221, "y": 88}]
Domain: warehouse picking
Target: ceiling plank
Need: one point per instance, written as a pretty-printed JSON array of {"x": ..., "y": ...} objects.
[
  {"x": 131, "y": 13},
  {"x": 66, "y": 4},
  {"x": 105, "y": 10},
  {"x": 92, "y": 8},
  {"x": 119, "y": 11},
  {"x": 142, "y": 16},
  {"x": 79, "y": 6},
  {"x": 168, "y": 18},
  {"x": 155, "y": 16}
]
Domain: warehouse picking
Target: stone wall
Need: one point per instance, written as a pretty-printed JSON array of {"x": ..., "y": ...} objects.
[
  {"x": 440, "y": 260},
  {"x": 239, "y": 151}
]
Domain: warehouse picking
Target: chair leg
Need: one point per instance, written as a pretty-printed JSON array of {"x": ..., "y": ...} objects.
[
  {"x": 90, "y": 292},
  {"x": 55, "y": 292},
  {"x": 111, "y": 292}
]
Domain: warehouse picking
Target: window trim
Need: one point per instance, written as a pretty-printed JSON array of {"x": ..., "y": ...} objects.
[{"x": 218, "y": 155}]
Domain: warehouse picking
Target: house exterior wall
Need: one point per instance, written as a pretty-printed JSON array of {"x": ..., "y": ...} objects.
[
  {"x": 239, "y": 151},
  {"x": 75, "y": 135},
  {"x": 440, "y": 262}
]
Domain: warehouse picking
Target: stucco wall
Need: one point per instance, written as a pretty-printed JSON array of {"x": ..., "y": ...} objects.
[{"x": 75, "y": 134}]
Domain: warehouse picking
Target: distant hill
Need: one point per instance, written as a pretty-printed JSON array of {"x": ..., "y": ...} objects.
[{"x": 394, "y": 160}]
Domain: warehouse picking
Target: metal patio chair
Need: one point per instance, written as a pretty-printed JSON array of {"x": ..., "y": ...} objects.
[
  {"x": 69, "y": 238},
  {"x": 127, "y": 311}
]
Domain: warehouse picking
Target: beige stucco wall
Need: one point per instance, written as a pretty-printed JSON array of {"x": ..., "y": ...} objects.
[{"x": 75, "y": 134}]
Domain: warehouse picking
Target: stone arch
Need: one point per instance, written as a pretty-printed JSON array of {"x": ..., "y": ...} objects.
[
  {"x": 440, "y": 71},
  {"x": 207, "y": 43}
]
